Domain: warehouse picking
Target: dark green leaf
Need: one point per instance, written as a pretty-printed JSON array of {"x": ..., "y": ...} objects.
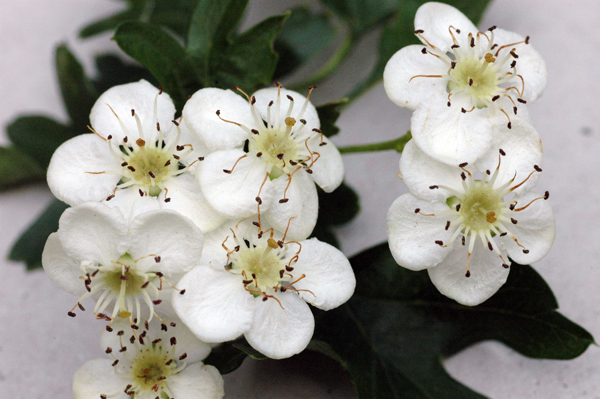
[
  {"x": 30, "y": 245},
  {"x": 245, "y": 347},
  {"x": 328, "y": 115},
  {"x": 361, "y": 15},
  {"x": 324, "y": 233},
  {"x": 77, "y": 91},
  {"x": 393, "y": 333},
  {"x": 17, "y": 168},
  {"x": 226, "y": 358},
  {"x": 38, "y": 136},
  {"x": 304, "y": 35},
  {"x": 113, "y": 71},
  {"x": 249, "y": 60},
  {"x": 162, "y": 55},
  {"x": 172, "y": 14},
  {"x": 338, "y": 207}
]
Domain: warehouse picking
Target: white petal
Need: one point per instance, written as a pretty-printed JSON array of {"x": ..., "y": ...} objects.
[
  {"x": 412, "y": 236},
  {"x": 435, "y": 19},
  {"x": 530, "y": 64},
  {"x": 419, "y": 172},
  {"x": 187, "y": 199},
  {"x": 167, "y": 234},
  {"x": 200, "y": 115},
  {"x": 213, "y": 249},
  {"x": 329, "y": 276},
  {"x": 281, "y": 329},
  {"x": 303, "y": 206},
  {"x": 487, "y": 275},
  {"x": 98, "y": 377},
  {"x": 523, "y": 148},
  {"x": 93, "y": 232},
  {"x": 68, "y": 172},
  {"x": 197, "y": 381},
  {"x": 407, "y": 63},
  {"x": 265, "y": 96},
  {"x": 63, "y": 270},
  {"x": 448, "y": 135},
  {"x": 234, "y": 194},
  {"x": 535, "y": 230},
  {"x": 328, "y": 170},
  {"x": 131, "y": 204},
  {"x": 199, "y": 148},
  {"x": 138, "y": 96},
  {"x": 215, "y": 306}
]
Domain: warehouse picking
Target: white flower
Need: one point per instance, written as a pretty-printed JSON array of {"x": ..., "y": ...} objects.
[
  {"x": 460, "y": 79},
  {"x": 437, "y": 226},
  {"x": 276, "y": 173},
  {"x": 97, "y": 254},
  {"x": 150, "y": 363},
  {"x": 259, "y": 285},
  {"x": 136, "y": 159}
]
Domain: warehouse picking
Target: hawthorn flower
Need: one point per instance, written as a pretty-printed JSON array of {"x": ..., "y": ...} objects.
[
  {"x": 460, "y": 78},
  {"x": 97, "y": 253},
  {"x": 136, "y": 158},
  {"x": 151, "y": 363},
  {"x": 286, "y": 154},
  {"x": 258, "y": 285},
  {"x": 461, "y": 222}
]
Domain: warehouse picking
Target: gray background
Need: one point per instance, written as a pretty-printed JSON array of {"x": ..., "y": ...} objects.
[{"x": 41, "y": 348}]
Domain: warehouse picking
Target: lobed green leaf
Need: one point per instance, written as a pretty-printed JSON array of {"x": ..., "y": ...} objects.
[{"x": 16, "y": 168}]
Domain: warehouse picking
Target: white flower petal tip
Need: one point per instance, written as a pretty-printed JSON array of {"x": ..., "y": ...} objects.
[
  {"x": 135, "y": 147},
  {"x": 465, "y": 78},
  {"x": 284, "y": 142},
  {"x": 156, "y": 361},
  {"x": 126, "y": 267},
  {"x": 442, "y": 236},
  {"x": 261, "y": 289}
]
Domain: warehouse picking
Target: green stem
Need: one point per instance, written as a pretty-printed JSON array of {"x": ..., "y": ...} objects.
[
  {"x": 396, "y": 144},
  {"x": 332, "y": 63}
]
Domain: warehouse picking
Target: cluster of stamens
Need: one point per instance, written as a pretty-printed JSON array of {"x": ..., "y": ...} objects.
[
  {"x": 147, "y": 162},
  {"x": 280, "y": 141},
  {"x": 122, "y": 282},
  {"x": 146, "y": 365},
  {"x": 265, "y": 264},
  {"x": 477, "y": 74},
  {"x": 482, "y": 211}
]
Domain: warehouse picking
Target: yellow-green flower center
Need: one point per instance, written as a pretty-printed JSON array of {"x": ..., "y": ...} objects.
[
  {"x": 481, "y": 207},
  {"x": 473, "y": 76}
]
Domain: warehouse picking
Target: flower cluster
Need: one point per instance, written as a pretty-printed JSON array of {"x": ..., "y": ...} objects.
[
  {"x": 193, "y": 231},
  {"x": 474, "y": 158}
]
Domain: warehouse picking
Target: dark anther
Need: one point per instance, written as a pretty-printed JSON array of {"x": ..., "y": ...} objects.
[
  {"x": 109, "y": 137},
  {"x": 123, "y": 277},
  {"x": 279, "y": 156},
  {"x": 439, "y": 242},
  {"x": 160, "y": 90},
  {"x": 159, "y": 274},
  {"x": 173, "y": 324},
  {"x": 537, "y": 168},
  {"x": 141, "y": 192},
  {"x": 457, "y": 207},
  {"x": 176, "y": 156},
  {"x": 527, "y": 40},
  {"x": 125, "y": 139},
  {"x": 181, "y": 292},
  {"x": 156, "y": 341},
  {"x": 133, "y": 326},
  {"x": 513, "y": 220},
  {"x": 488, "y": 172},
  {"x": 449, "y": 103},
  {"x": 180, "y": 148},
  {"x": 546, "y": 195},
  {"x": 256, "y": 224},
  {"x": 257, "y": 199},
  {"x": 496, "y": 97},
  {"x": 309, "y": 171},
  {"x": 115, "y": 362},
  {"x": 472, "y": 41},
  {"x": 152, "y": 175},
  {"x": 433, "y": 187},
  {"x": 147, "y": 325},
  {"x": 200, "y": 158},
  {"x": 157, "y": 259},
  {"x": 167, "y": 199},
  {"x": 462, "y": 165},
  {"x": 109, "y": 328},
  {"x": 470, "y": 82},
  {"x": 322, "y": 144},
  {"x": 131, "y": 168},
  {"x": 71, "y": 314},
  {"x": 452, "y": 64},
  {"x": 447, "y": 225},
  {"x": 463, "y": 240},
  {"x": 492, "y": 28},
  {"x": 521, "y": 101},
  {"x": 227, "y": 171},
  {"x": 253, "y": 100},
  {"x": 289, "y": 97},
  {"x": 509, "y": 125},
  {"x": 270, "y": 103},
  {"x": 163, "y": 327},
  {"x": 157, "y": 302},
  {"x": 525, "y": 251},
  {"x": 503, "y": 234},
  {"x": 513, "y": 64},
  {"x": 454, "y": 46},
  {"x": 108, "y": 350},
  {"x": 259, "y": 154},
  {"x": 289, "y": 268},
  {"x": 281, "y": 273},
  {"x": 463, "y": 176},
  {"x": 515, "y": 110},
  {"x": 424, "y": 50},
  {"x": 491, "y": 248},
  {"x": 514, "y": 54},
  {"x": 283, "y": 200},
  {"x": 183, "y": 356},
  {"x": 218, "y": 112},
  {"x": 502, "y": 152},
  {"x": 417, "y": 210},
  {"x": 504, "y": 265},
  {"x": 265, "y": 299},
  {"x": 168, "y": 363},
  {"x": 254, "y": 131},
  {"x": 246, "y": 282},
  {"x": 124, "y": 164},
  {"x": 418, "y": 31},
  {"x": 464, "y": 111},
  {"x": 468, "y": 274},
  {"x": 293, "y": 163},
  {"x": 512, "y": 207},
  {"x": 173, "y": 341}
]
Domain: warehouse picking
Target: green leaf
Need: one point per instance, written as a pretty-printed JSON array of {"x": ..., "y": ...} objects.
[
  {"x": 77, "y": 91},
  {"x": 249, "y": 60},
  {"x": 38, "y": 136},
  {"x": 113, "y": 71},
  {"x": 328, "y": 115},
  {"x": 304, "y": 35},
  {"x": 360, "y": 15},
  {"x": 162, "y": 55},
  {"x": 30, "y": 245},
  {"x": 172, "y": 14},
  {"x": 226, "y": 358},
  {"x": 17, "y": 168},
  {"x": 393, "y": 333}
]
